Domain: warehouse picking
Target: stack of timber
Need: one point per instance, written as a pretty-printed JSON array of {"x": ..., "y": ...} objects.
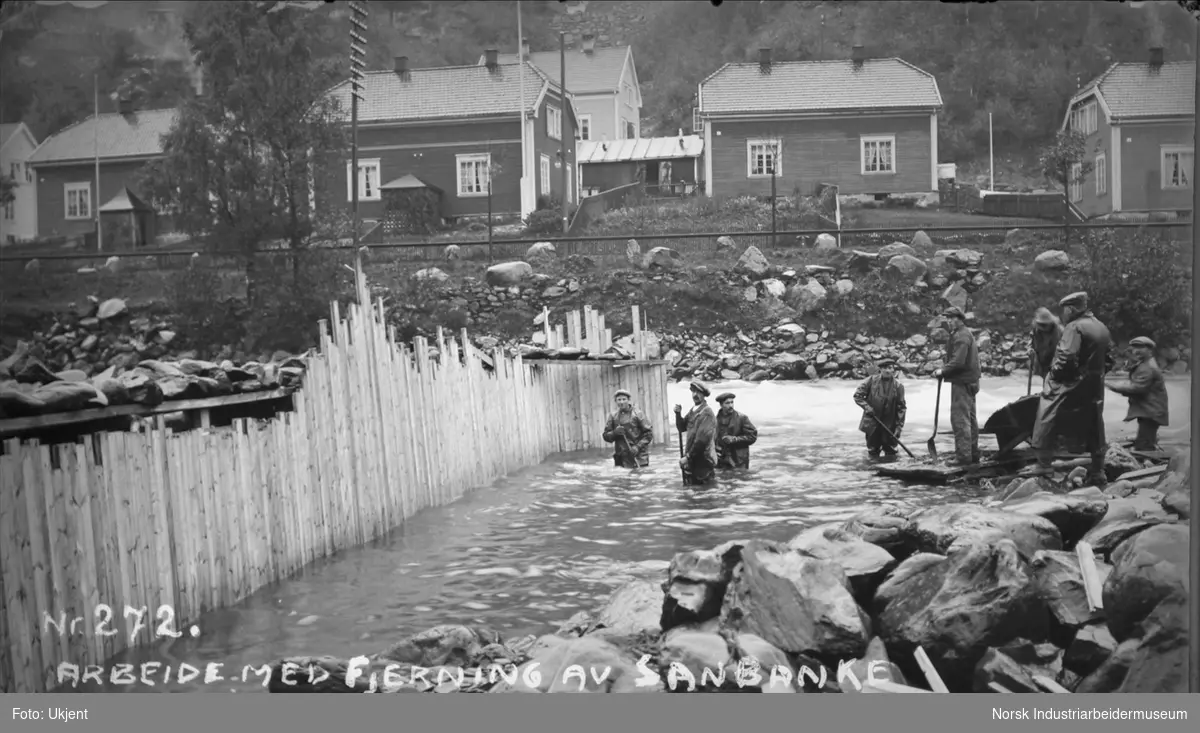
[{"x": 586, "y": 337}]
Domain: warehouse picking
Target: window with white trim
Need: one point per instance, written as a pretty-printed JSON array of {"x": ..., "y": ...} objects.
[
  {"x": 77, "y": 199},
  {"x": 878, "y": 154},
  {"x": 1177, "y": 162},
  {"x": 553, "y": 122},
  {"x": 473, "y": 172},
  {"x": 546, "y": 175},
  {"x": 763, "y": 158},
  {"x": 585, "y": 128},
  {"x": 368, "y": 180},
  {"x": 1085, "y": 119},
  {"x": 9, "y": 212},
  {"x": 1075, "y": 184},
  {"x": 1101, "y": 171}
]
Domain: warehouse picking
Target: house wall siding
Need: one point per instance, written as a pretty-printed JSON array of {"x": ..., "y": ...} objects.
[
  {"x": 1141, "y": 165},
  {"x": 23, "y": 225},
  {"x": 543, "y": 144},
  {"x": 819, "y": 151},
  {"x": 1097, "y": 142},
  {"x": 605, "y": 176},
  {"x": 627, "y": 107},
  {"x": 600, "y": 107},
  {"x": 51, "y": 198}
]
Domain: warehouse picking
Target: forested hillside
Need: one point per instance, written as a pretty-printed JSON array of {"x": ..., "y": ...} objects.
[{"x": 1017, "y": 60}]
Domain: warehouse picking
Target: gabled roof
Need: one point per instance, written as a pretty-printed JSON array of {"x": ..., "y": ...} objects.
[
  {"x": 818, "y": 86},
  {"x": 9, "y": 129},
  {"x": 639, "y": 149},
  {"x": 447, "y": 92},
  {"x": 112, "y": 135},
  {"x": 1130, "y": 91},
  {"x": 599, "y": 71}
]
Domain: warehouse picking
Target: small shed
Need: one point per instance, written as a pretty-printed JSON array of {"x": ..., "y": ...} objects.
[
  {"x": 411, "y": 206},
  {"x": 667, "y": 166},
  {"x": 127, "y": 221}
]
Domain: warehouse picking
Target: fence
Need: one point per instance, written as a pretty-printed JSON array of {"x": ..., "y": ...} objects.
[
  {"x": 592, "y": 207},
  {"x": 160, "y": 527}
]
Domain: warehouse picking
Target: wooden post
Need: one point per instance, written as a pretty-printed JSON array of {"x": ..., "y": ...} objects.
[{"x": 639, "y": 352}]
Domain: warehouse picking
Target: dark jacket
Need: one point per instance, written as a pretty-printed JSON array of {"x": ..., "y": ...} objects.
[
  {"x": 1073, "y": 392},
  {"x": 1147, "y": 392},
  {"x": 634, "y": 448},
  {"x": 700, "y": 424},
  {"x": 962, "y": 359},
  {"x": 886, "y": 398},
  {"x": 1043, "y": 346},
  {"x": 736, "y": 455}
]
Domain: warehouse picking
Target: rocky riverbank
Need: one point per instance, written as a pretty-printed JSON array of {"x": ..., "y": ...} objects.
[{"x": 994, "y": 593}]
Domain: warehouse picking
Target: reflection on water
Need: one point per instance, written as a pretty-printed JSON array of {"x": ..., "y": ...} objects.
[{"x": 552, "y": 539}]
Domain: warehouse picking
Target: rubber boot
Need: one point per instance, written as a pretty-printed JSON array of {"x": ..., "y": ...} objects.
[{"x": 1096, "y": 475}]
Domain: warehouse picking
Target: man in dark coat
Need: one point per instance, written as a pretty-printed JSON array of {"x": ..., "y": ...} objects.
[
  {"x": 699, "y": 459},
  {"x": 735, "y": 435},
  {"x": 1147, "y": 393},
  {"x": 881, "y": 397},
  {"x": 962, "y": 372},
  {"x": 1047, "y": 332},
  {"x": 630, "y": 433},
  {"x": 1073, "y": 392}
]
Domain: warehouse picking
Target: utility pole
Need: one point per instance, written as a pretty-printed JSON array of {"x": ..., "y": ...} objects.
[
  {"x": 96, "y": 154},
  {"x": 358, "y": 63},
  {"x": 562, "y": 129}
]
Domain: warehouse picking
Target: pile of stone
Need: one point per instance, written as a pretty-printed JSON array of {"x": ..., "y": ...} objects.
[{"x": 995, "y": 595}]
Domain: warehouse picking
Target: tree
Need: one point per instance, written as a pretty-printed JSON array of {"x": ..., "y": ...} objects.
[
  {"x": 1057, "y": 160},
  {"x": 239, "y": 161},
  {"x": 8, "y": 190}
]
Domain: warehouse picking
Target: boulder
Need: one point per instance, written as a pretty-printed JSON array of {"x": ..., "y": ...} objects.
[
  {"x": 825, "y": 241},
  {"x": 1059, "y": 583},
  {"x": 1154, "y": 660},
  {"x": 1092, "y": 645},
  {"x": 956, "y": 295},
  {"x": 507, "y": 274},
  {"x": 753, "y": 263},
  {"x": 712, "y": 667},
  {"x": 447, "y": 644},
  {"x": 1020, "y": 488},
  {"x": 843, "y": 286},
  {"x": 540, "y": 249},
  {"x": 1134, "y": 507},
  {"x": 553, "y": 656},
  {"x": 807, "y": 297},
  {"x": 1015, "y": 664},
  {"x": 774, "y": 287},
  {"x": 921, "y": 240},
  {"x": 725, "y": 242},
  {"x": 1106, "y": 536},
  {"x": 452, "y": 252},
  {"x": 633, "y": 252},
  {"x": 431, "y": 274},
  {"x": 634, "y": 608},
  {"x": 1147, "y": 568},
  {"x": 982, "y": 595},
  {"x": 885, "y": 526},
  {"x": 1175, "y": 485},
  {"x": 889, "y": 251},
  {"x": 940, "y": 528},
  {"x": 662, "y": 258},
  {"x": 696, "y": 583},
  {"x": 1074, "y": 516},
  {"x": 865, "y": 564},
  {"x": 1052, "y": 260},
  {"x": 111, "y": 308},
  {"x": 798, "y": 603},
  {"x": 905, "y": 267}
]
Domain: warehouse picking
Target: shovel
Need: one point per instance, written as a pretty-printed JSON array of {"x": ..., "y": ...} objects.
[
  {"x": 682, "y": 471},
  {"x": 893, "y": 436},
  {"x": 936, "y": 411},
  {"x": 1029, "y": 382}
]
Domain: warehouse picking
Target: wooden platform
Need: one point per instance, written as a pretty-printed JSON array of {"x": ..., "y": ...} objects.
[{"x": 939, "y": 473}]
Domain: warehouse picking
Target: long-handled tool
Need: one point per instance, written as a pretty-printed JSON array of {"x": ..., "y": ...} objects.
[
  {"x": 682, "y": 470},
  {"x": 892, "y": 435},
  {"x": 1029, "y": 382},
  {"x": 937, "y": 409}
]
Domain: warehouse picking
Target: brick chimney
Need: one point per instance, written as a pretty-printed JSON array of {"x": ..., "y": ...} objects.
[
  {"x": 764, "y": 60},
  {"x": 125, "y": 106},
  {"x": 1156, "y": 58},
  {"x": 401, "y": 66},
  {"x": 858, "y": 55},
  {"x": 589, "y": 43},
  {"x": 492, "y": 58}
]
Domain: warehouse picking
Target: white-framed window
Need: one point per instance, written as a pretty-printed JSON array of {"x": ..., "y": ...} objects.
[
  {"x": 1177, "y": 162},
  {"x": 77, "y": 199},
  {"x": 697, "y": 120},
  {"x": 878, "y": 154},
  {"x": 546, "y": 175},
  {"x": 473, "y": 172},
  {"x": 368, "y": 180},
  {"x": 553, "y": 122},
  {"x": 1084, "y": 118},
  {"x": 763, "y": 158},
  {"x": 585, "y": 128},
  {"x": 15, "y": 172},
  {"x": 1101, "y": 171},
  {"x": 1075, "y": 185},
  {"x": 9, "y": 213}
]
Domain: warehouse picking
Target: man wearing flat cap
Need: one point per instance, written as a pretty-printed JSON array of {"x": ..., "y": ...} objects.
[
  {"x": 1073, "y": 392},
  {"x": 735, "y": 435},
  {"x": 962, "y": 372},
  {"x": 1147, "y": 393},
  {"x": 881, "y": 397},
  {"x": 1047, "y": 332},
  {"x": 630, "y": 433},
  {"x": 699, "y": 459}
]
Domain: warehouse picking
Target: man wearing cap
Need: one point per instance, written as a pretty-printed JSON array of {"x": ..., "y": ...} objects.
[
  {"x": 1073, "y": 392},
  {"x": 735, "y": 435},
  {"x": 1147, "y": 393},
  {"x": 630, "y": 433},
  {"x": 1047, "y": 331},
  {"x": 700, "y": 453},
  {"x": 962, "y": 372},
  {"x": 881, "y": 397}
]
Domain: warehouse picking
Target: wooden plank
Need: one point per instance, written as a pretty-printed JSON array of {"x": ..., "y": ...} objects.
[
  {"x": 1143, "y": 473},
  {"x": 1092, "y": 585},
  {"x": 997, "y": 687},
  {"x": 931, "y": 674},
  {"x": 1048, "y": 684}
]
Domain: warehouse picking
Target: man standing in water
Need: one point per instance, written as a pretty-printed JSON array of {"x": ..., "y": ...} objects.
[
  {"x": 1047, "y": 331},
  {"x": 1147, "y": 393},
  {"x": 735, "y": 435},
  {"x": 1073, "y": 393},
  {"x": 699, "y": 454},
  {"x": 962, "y": 372},
  {"x": 881, "y": 397},
  {"x": 630, "y": 433}
]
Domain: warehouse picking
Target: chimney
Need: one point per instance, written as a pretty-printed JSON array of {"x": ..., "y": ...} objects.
[
  {"x": 1156, "y": 57},
  {"x": 125, "y": 106},
  {"x": 858, "y": 55},
  {"x": 764, "y": 60},
  {"x": 402, "y": 66},
  {"x": 525, "y": 50},
  {"x": 589, "y": 43},
  {"x": 492, "y": 56}
]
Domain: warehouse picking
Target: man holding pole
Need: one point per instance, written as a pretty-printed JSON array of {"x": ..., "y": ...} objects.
[
  {"x": 699, "y": 457},
  {"x": 630, "y": 433},
  {"x": 881, "y": 397},
  {"x": 963, "y": 373},
  {"x": 735, "y": 435}
]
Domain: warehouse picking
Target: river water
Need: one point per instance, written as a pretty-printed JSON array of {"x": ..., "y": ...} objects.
[{"x": 530, "y": 550}]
